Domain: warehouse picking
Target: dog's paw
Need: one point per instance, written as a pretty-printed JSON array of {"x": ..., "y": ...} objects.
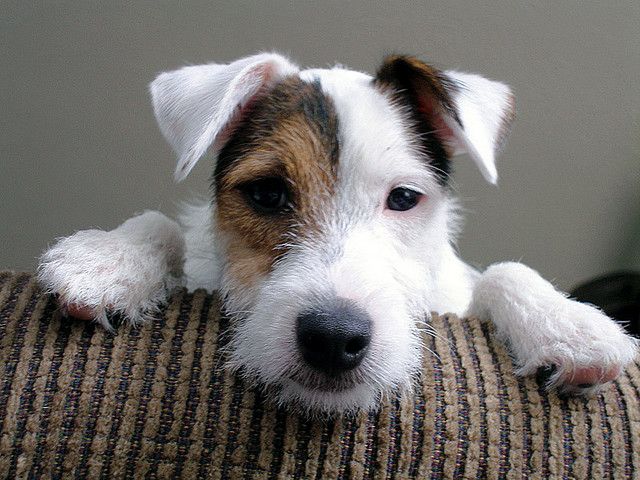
[
  {"x": 585, "y": 350},
  {"x": 126, "y": 271}
]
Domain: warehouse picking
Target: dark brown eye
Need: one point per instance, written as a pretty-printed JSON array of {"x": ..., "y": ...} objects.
[
  {"x": 401, "y": 199},
  {"x": 267, "y": 195}
]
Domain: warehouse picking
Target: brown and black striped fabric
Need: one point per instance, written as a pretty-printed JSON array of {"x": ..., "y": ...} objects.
[{"x": 154, "y": 402}]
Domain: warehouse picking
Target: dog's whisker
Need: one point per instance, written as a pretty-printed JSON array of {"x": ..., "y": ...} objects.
[
  {"x": 432, "y": 353},
  {"x": 435, "y": 334}
]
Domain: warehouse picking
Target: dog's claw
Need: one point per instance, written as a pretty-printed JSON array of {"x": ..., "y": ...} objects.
[{"x": 544, "y": 374}]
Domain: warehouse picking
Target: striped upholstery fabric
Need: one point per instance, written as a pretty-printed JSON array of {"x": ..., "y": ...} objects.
[{"x": 77, "y": 402}]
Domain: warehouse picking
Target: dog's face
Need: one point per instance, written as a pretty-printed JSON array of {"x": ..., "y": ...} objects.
[{"x": 331, "y": 210}]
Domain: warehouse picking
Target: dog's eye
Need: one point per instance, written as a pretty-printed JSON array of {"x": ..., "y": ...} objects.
[
  {"x": 402, "y": 199},
  {"x": 267, "y": 195}
]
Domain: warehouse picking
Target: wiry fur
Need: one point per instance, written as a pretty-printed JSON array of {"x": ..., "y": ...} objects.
[
  {"x": 127, "y": 271},
  {"x": 531, "y": 316},
  {"x": 201, "y": 259},
  {"x": 398, "y": 266}
]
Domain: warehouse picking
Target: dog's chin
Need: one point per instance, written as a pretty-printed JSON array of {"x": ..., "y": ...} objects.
[
  {"x": 297, "y": 387},
  {"x": 317, "y": 394},
  {"x": 314, "y": 394},
  {"x": 328, "y": 398}
]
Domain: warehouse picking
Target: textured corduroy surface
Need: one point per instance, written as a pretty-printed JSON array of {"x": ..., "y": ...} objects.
[{"x": 153, "y": 402}]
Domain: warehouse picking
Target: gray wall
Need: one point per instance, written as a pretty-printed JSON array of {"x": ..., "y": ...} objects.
[{"x": 79, "y": 147}]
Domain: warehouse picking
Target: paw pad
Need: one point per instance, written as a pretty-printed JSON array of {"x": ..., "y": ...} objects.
[
  {"x": 587, "y": 377},
  {"x": 579, "y": 380},
  {"x": 79, "y": 312}
]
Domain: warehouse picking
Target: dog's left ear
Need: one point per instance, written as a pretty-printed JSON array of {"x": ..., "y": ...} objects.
[{"x": 467, "y": 113}]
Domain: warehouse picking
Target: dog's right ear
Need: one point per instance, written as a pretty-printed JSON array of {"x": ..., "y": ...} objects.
[
  {"x": 199, "y": 107},
  {"x": 466, "y": 112}
]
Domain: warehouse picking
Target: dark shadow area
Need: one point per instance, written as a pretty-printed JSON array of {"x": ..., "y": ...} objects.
[{"x": 617, "y": 294}]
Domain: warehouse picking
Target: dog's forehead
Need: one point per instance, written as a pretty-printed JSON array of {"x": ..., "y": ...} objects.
[
  {"x": 375, "y": 138},
  {"x": 337, "y": 121}
]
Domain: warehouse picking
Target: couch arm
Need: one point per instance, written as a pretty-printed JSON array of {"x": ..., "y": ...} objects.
[{"x": 79, "y": 402}]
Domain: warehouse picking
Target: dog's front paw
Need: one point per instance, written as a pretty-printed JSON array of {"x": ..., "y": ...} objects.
[
  {"x": 580, "y": 351},
  {"x": 126, "y": 271}
]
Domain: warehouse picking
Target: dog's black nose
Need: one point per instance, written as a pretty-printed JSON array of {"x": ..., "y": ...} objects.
[{"x": 334, "y": 338}]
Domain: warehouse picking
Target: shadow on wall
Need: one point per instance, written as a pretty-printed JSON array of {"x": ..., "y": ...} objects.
[
  {"x": 627, "y": 254},
  {"x": 618, "y": 293}
]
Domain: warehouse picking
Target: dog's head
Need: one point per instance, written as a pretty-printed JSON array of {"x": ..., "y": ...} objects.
[{"x": 331, "y": 209}]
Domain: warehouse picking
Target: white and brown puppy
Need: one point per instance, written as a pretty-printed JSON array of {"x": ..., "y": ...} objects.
[{"x": 331, "y": 230}]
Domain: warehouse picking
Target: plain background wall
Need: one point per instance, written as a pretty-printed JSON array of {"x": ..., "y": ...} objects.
[{"x": 79, "y": 147}]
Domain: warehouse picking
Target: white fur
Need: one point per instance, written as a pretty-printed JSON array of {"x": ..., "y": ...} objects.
[
  {"x": 398, "y": 266},
  {"x": 202, "y": 256},
  {"x": 482, "y": 106},
  {"x": 128, "y": 270},
  {"x": 543, "y": 327}
]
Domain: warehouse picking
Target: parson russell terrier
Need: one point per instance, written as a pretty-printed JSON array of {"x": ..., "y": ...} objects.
[{"x": 331, "y": 231}]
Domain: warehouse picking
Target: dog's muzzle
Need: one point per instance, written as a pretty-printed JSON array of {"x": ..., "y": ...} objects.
[{"x": 335, "y": 338}]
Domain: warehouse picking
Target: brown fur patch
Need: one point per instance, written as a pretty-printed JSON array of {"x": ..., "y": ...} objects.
[{"x": 290, "y": 134}]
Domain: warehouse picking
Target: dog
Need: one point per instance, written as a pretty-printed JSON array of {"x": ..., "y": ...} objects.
[{"x": 330, "y": 233}]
